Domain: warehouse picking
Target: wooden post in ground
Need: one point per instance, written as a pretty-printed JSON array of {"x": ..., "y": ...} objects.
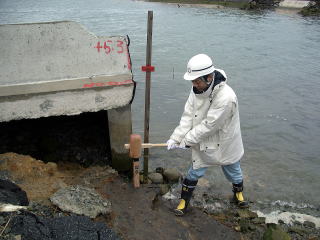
[
  {"x": 148, "y": 69},
  {"x": 135, "y": 153}
]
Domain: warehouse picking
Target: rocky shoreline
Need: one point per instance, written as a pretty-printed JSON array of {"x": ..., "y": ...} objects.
[
  {"x": 312, "y": 9},
  {"x": 108, "y": 206}
]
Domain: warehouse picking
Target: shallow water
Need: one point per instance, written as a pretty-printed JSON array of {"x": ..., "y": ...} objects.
[{"x": 272, "y": 62}]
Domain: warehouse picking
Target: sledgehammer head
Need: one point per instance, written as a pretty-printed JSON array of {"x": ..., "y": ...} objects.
[{"x": 135, "y": 146}]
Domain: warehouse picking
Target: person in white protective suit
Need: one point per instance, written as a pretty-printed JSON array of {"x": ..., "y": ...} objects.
[{"x": 210, "y": 126}]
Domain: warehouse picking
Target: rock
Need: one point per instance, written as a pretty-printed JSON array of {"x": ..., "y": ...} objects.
[
  {"x": 244, "y": 225},
  {"x": 5, "y": 175},
  {"x": 141, "y": 178},
  {"x": 252, "y": 227},
  {"x": 313, "y": 238},
  {"x": 245, "y": 213},
  {"x": 11, "y": 193},
  {"x": 81, "y": 200},
  {"x": 172, "y": 175},
  {"x": 298, "y": 229},
  {"x": 155, "y": 178},
  {"x": 164, "y": 188},
  {"x": 259, "y": 220},
  {"x": 159, "y": 170},
  {"x": 42, "y": 210},
  {"x": 2, "y": 221},
  {"x": 309, "y": 224},
  {"x": 313, "y": 9},
  {"x": 17, "y": 237},
  {"x": 204, "y": 183},
  {"x": 274, "y": 232}
]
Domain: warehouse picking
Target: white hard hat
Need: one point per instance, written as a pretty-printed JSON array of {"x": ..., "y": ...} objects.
[{"x": 198, "y": 66}]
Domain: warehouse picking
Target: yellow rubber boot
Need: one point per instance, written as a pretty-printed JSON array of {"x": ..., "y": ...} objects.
[
  {"x": 238, "y": 195},
  {"x": 180, "y": 210},
  {"x": 186, "y": 194}
]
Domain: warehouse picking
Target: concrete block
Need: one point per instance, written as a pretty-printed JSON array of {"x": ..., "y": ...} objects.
[
  {"x": 59, "y": 68},
  {"x": 120, "y": 129}
]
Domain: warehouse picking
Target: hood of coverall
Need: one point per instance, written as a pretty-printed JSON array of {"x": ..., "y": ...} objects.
[{"x": 219, "y": 77}]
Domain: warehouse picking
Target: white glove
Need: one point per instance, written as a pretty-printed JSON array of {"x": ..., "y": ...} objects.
[
  {"x": 172, "y": 144},
  {"x": 183, "y": 145}
]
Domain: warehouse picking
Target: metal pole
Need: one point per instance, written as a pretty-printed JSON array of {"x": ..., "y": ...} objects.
[{"x": 147, "y": 97}]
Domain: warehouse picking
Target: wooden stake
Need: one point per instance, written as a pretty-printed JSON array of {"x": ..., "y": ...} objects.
[
  {"x": 147, "y": 96},
  {"x": 135, "y": 153}
]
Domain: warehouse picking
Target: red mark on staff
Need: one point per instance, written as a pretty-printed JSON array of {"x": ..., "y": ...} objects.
[
  {"x": 147, "y": 68},
  {"x": 99, "y": 84}
]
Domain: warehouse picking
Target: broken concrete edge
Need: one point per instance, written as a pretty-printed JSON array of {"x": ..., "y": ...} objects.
[{"x": 81, "y": 200}]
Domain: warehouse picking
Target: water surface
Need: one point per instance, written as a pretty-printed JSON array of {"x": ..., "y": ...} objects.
[{"x": 272, "y": 62}]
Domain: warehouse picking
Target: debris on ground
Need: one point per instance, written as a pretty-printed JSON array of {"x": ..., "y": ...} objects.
[
  {"x": 31, "y": 226},
  {"x": 81, "y": 200}
]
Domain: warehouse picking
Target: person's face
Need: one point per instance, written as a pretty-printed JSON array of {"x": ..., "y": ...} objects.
[{"x": 201, "y": 85}]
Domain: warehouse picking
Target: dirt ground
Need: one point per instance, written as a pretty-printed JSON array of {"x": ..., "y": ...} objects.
[
  {"x": 141, "y": 214},
  {"x": 136, "y": 213}
]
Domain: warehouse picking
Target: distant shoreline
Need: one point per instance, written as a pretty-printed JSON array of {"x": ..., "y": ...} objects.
[
  {"x": 223, "y": 4},
  {"x": 203, "y": 3}
]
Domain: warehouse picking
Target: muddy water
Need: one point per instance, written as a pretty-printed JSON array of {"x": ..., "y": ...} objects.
[{"x": 271, "y": 59}]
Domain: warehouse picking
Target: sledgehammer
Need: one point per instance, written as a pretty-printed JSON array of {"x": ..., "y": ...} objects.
[
  {"x": 135, "y": 145},
  {"x": 147, "y": 145}
]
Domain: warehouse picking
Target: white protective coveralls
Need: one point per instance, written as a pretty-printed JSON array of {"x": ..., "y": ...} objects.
[{"x": 210, "y": 124}]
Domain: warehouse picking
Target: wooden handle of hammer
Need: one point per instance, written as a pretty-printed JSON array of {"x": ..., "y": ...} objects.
[{"x": 148, "y": 145}]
